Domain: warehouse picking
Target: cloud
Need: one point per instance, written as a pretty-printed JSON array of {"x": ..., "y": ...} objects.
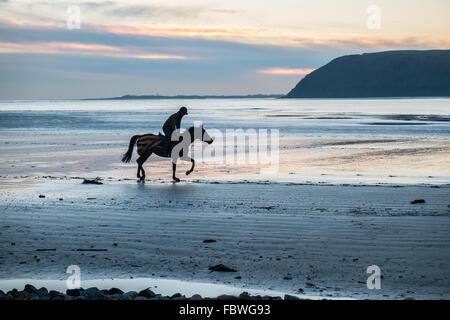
[
  {"x": 243, "y": 35},
  {"x": 146, "y": 11},
  {"x": 286, "y": 71},
  {"x": 269, "y": 36},
  {"x": 194, "y": 20},
  {"x": 223, "y": 10},
  {"x": 90, "y": 49}
]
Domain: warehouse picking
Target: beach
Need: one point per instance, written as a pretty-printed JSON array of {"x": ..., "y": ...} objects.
[{"x": 339, "y": 202}]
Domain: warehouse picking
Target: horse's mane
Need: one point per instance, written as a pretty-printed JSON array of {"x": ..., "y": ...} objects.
[{"x": 191, "y": 129}]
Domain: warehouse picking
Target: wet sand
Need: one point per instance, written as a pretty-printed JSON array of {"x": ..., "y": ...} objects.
[
  {"x": 301, "y": 159},
  {"x": 278, "y": 236}
]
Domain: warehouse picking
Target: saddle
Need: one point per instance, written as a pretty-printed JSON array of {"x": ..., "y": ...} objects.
[{"x": 148, "y": 141}]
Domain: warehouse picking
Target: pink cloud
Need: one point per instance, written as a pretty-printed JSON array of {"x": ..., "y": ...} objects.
[
  {"x": 223, "y": 10},
  {"x": 92, "y": 49},
  {"x": 286, "y": 71}
]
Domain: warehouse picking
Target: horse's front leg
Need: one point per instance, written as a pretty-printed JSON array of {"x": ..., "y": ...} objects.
[
  {"x": 174, "y": 168},
  {"x": 193, "y": 165}
]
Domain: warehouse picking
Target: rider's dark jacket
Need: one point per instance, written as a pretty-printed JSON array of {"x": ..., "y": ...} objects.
[{"x": 172, "y": 124}]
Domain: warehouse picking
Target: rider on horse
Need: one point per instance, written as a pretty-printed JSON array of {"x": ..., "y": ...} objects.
[{"x": 172, "y": 123}]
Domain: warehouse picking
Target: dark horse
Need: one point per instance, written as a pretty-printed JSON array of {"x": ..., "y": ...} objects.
[{"x": 149, "y": 143}]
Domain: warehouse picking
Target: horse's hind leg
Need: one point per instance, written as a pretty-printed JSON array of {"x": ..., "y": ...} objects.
[
  {"x": 140, "y": 161},
  {"x": 140, "y": 171}
]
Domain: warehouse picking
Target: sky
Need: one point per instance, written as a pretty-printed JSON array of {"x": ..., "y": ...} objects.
[{"x": 89, "y": 49}]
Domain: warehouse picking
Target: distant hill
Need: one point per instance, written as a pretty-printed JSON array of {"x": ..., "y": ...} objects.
[
  {"x": 409, "y": 73},
  {"x": 155, "y": 97}
]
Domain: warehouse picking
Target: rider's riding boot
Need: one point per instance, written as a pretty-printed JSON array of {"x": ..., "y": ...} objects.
[{"x": 164, "y": 144}]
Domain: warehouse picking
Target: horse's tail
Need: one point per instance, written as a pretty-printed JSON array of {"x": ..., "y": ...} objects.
[{"x": 127, "y": 156}]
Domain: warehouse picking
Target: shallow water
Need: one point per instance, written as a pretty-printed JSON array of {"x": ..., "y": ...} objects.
[
  {"x": 321, "y": 140},
  {"x": 325, "y": 117}
]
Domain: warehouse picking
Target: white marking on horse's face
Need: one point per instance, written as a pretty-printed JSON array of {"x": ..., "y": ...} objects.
[{"x": 206, "y": 137}]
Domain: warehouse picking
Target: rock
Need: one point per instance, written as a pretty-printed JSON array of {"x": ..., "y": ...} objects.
[
  {"x": 176, "y": 295},
  {"x": 222, "y": 268},
  {"x": 41, "y": 196},
  {"x": 30, "y": 289},
  {"x": 301, "y": 290},
  {"x": 147, "y": 293},
  {"x": 115, "y": 291},
  {"x": 130, "y": 295},
  {"x": 92, "y": 290},
  {"x": 245, "y": 296},
  {"x": 74, "y": 292},
  {"x": 238, "y": 277},
  {"x": 53, "y": 293},
  {"x": 209, "y": 240},
  {"x": 226, "y": 297},
  {"x": 196, "y": 297},
  {"x": 140, "y": 298},
  {"x": 42, "y": 292},
  {"x": 94, "y": 181},
  {"x": 417, "y": 201},
  {"x": 289, "y": 297},
  {"x": 92, "y": 293},
  {"x": 13, "y": 293},
  {"x": 58, "y": 296},
  {"x": 23, "y": 295}
]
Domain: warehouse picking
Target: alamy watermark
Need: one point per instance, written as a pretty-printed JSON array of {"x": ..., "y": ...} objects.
[
  {"x": 374, "y": 280},
  {"x": 231, "y": 146},
  {"x": 73, "y": 17},
  {"x": 373, "y": 21},
  {"x": 74, "y": 280}
]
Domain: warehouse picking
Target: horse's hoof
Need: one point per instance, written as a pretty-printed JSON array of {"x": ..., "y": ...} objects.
[
  {"x": 176, "y": 180},
  {"x": 188, "y": 172}
]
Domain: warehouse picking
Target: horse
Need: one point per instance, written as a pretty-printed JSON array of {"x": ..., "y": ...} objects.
[{"x": 149, "y": 143}]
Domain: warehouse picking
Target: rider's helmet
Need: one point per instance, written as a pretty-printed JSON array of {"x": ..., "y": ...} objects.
[{"x": 183, "y": 111}]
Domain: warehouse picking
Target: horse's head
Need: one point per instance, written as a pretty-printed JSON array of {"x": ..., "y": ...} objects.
[{"x": 195, "y": 134}]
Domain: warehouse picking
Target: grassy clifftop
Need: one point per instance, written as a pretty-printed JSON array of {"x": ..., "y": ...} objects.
[{"x": 408, "y": 73}]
